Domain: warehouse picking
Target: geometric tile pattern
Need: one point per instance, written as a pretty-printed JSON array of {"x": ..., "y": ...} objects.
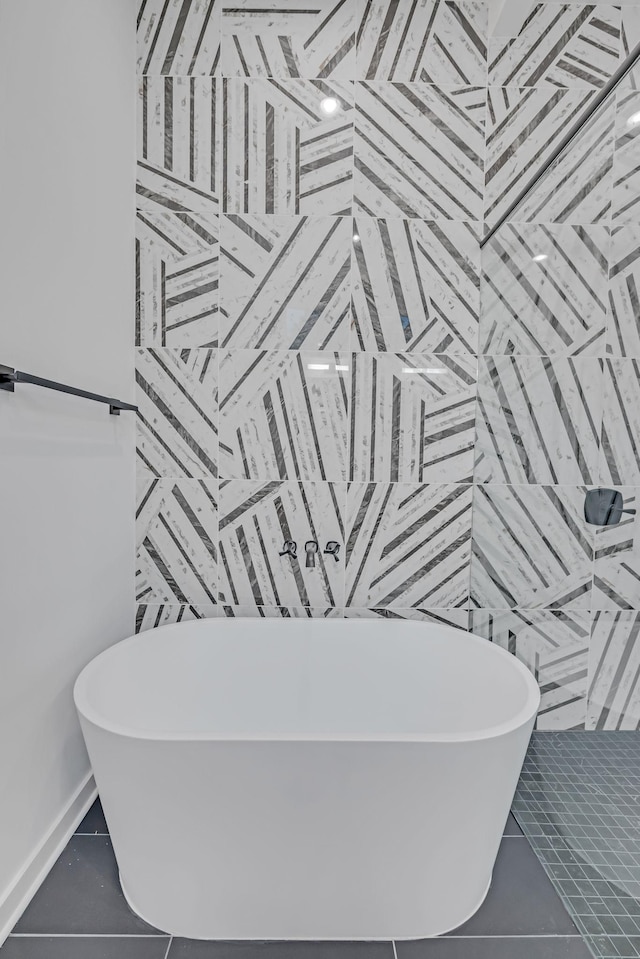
[
  {"x": 554, "y": 645},
  {"x": 626, "y": 166},
  {"x": 572, "y": 45},
  {"x": 176, "y": 279},
  {"x": 616, "y": 570},
  {"x": 623, "y": 337},
  {"x": 458, "y": 618},
  {"x": 281, "y": 151},
  {"x": 408, "y": 545},
  {"x": 416, "y": 285},
  {"x": 538, "y": 420},
  {"x": 177, "y": 401},
  {"x": 285, "y": 282},
  {"x": 544, "y": 289},
  {"x": 621, "y": 423},
  {"x": 412, "y": 418},
  {"x": 440, "y": 43},
  {"x": 179, "y": 38},
  {"x": 149, "y": 616},
  {"x": 283, "y": 415},
  {"x": 614, "y": 671},
  {"x": 577, "y": 804},
  {"x": 296, "y": 39}
]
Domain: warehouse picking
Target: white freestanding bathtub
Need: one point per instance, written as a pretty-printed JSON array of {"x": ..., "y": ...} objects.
[{"x": 315, "y": 779}]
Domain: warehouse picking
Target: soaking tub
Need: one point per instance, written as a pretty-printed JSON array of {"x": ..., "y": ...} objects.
[{"x": 314, "y": 779}]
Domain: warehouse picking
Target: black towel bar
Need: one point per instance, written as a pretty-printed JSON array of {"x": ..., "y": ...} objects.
[{"x": 9, "y": 377}]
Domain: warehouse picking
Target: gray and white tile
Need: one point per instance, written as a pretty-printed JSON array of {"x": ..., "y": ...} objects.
[
  {"x": 538, "y": 419},
  {"x": 554, "y": 645},
  {"x": 178, "y": 38},
  {"x": 532, "y": 548},
  {"x": 266, "y": 38},
  {"x": 439, "y": 43},
  {"x": 621, "y": 422},
  {"x": 176, "y": 279},
  {"x": 285, "y": 282},
  {"x": 280, "y": 612},
  {"x": 566, "y": 45},
  {"x": 412, "y": 418},
  {"x": 283, "y": 415},
  {"x": 616, "y": 568},
  {"x": 178, "y": 147},
  {"x": 614, "y": 671},
  {"x": 623, "y": 333},
  {"x": 457, "y": 618},
  {"x": 408, "y": 545},
  {"x": 544, "y": 289},
  {"x": 287, "y": 146},
  {"x": 256, "y": 519},
  {"x": 176, "y": 536},
  {"x": 177, "y": 397},
  {"x": 626, "y": 163},
  {"x": 152, "y": 615},
  {"x": 419, "y": 151},
  {"x": 416, "y": 285},
  {"x": 525, "y": 125}
]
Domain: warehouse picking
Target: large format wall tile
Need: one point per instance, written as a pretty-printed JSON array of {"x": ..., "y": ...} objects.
[
  {"x": 531, "y": 548},
  {"x": 554, "y": 645},
  {"x": 413, "y": 418},
  {"x": 544, "y": 289},
  {"x": 419, "y": 151},
  {"x": 626, "y": 163},
  {"x": 176, "y": 537},
  {"x": 293, "y": 39},
  {"x": 538, "y": 419},
  {"x": 283, "y": 415},
  {"x": 567, "y": 45},
  {"x": 285, "y": 282},
  {"x": 149, "y": 616},
  {"x": 616, "y": 569},
  {"x": 178, "y": 144},
  {"x": 255, "y": 520},
  {"x": 623, "y": 334},
  {"x": 281, "y": 152},
  {"x": 178, "y": 37},
  {"x": 458, "y": 618},
  {"x": 439, "y": 43},
  {"x": 525, "y": 124},
  {"x": 416, "y": 285},
  {"x": 621, "y": 422},
  {"x": 614, "y": 671},
  {"x": 176, "y": 279},
  {"x": 280, "y": 612},
  {"x": 177, "y": 396},
  {"x": 408, "y": 545}
]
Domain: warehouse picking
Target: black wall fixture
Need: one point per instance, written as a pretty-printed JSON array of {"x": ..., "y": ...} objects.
[
  {"x": 604, "y": 507},
  {"x": 9, "y": 377}
]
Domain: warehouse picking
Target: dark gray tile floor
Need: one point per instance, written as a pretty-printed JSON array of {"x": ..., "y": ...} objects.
[{"x": 80, "y": 913}]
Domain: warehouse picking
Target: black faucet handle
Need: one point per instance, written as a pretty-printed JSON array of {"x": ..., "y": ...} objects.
[
  {"x": 311, "y": 547},
  {"x": 289, "y": 549},
  {"x": 332, "y": 549}
]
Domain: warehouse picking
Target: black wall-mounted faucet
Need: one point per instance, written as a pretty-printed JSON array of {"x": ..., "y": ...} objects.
[
  {"x": 332, "y": 549},
  {"x": 289, "y": 549},
  {"x": 604, "y": 507},
  {"x": 311, "y": 548}
]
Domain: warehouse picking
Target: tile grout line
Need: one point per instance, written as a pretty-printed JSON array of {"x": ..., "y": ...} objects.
[{"x": 168, "y": 947}]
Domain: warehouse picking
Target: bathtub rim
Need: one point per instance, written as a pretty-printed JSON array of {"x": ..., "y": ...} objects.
[{"x": 525, "y": 715}]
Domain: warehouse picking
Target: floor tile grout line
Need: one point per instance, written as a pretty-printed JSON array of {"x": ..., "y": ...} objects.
[
  {"x": 168, "y": 947},
  {"x": 125, "y": 935}
]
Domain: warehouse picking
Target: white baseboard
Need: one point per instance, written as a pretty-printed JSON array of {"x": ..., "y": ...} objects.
[{"x": 16, "y": 899}]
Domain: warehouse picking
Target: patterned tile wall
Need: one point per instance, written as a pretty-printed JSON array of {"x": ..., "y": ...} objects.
[{"x": 324, "y": 352}]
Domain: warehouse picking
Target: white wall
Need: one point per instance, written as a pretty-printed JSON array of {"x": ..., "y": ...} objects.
[{"x": 67, "y": 100}]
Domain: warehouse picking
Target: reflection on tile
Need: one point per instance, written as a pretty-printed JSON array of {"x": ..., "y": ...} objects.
[
  {"x": 176, "y": 279},
  {"x": 283, "y": 152},
  {"x": 408, "y": 545},
  {"x": 416, "y": 285},
  {"x": 281, "y": 612},
  {"x": 413, "y": 418},
  {"x": 525, "y": 125},
  {"x": 178, "y": 38},
  {"x": 623, "y": 334},
  {"x": 419, "y": 151},
  {"x": 544, "y": 289},
  {"x": 273, "y": 39},
  {"x": 616, "y": 571},
  {"x": 458, "y": 618},
  {"x": 539, "y": 419},
  {"x": 531, "y": 548},
  {"x": 626, "y": 163},
  {"x": 255, "y": 520},
  {"x": 439, "y": 43},
  {"x": 285, "y": 282},
  {"x": 177, "y": 397},
  {"x": 283, "y": 415},
  {"x": 614, "y": 671},
  {"x": 149, "y": 616},
  {"x": 178, "y": 162},
  {"x": 621, "y": 423},
  {"x": 572, "y": 45},
  {"x": 176, "y": 532},
  {"x": 554, "y": 645}
]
